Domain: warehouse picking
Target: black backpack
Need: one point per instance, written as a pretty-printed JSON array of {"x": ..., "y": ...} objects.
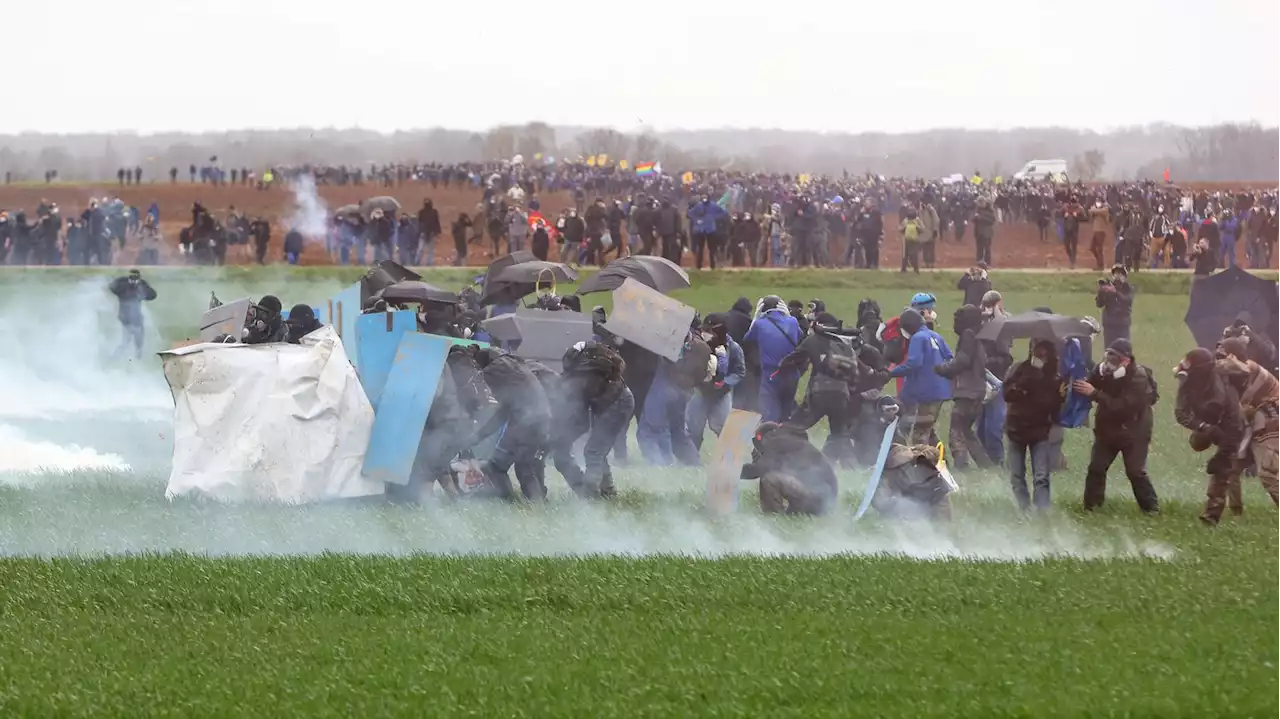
[{"x": 1153, "y": 390}]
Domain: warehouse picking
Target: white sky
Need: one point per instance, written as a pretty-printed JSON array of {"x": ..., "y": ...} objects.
[{"x": 889, "y": 65}]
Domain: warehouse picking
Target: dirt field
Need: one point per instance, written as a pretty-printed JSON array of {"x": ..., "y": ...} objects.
[{"x": 1016, "y": 245}]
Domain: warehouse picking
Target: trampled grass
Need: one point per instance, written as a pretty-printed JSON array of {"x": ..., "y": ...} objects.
[{"x": 117, "y": 602}]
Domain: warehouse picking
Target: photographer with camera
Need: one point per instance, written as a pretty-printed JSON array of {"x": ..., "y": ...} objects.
[
  {"x": 131, "y": 291},
  {"x": 1115, "y": 298}
]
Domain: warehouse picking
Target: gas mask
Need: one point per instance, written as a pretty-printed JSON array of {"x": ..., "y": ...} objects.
[{"x": 1037, "y": 363}]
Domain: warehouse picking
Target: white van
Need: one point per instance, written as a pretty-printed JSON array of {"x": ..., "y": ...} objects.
[{"x": 1042, "y": 170}]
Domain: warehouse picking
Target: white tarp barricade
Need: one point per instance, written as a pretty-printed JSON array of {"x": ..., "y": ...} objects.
[{"x": 268, "y": 423}]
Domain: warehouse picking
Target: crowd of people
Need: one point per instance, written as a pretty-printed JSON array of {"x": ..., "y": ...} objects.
[
  {"x": 718, "y": 217},
  {"x": 1011, "y": 406}
]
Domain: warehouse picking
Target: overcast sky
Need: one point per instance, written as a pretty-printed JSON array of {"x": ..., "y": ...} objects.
[{"x": 152, "y": 65}]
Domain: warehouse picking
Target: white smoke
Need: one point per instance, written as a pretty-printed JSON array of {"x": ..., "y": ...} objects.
[
  {"x": 24, "y": 460},
  {"x": 311, "y": 214}
]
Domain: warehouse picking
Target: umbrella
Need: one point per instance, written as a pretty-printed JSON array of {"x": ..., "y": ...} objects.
[
  {"x": 347, "y": 211},
  {"x": 381, "y": 276},
  {"x": 388, "y": 205},
  {"x": 1039, "y": 325},
  {"x": 1218, "y": 299},
  {"x": 410, "y": 291},
  {"x": 503, "y": 263},
  {"x": 656, "y": 273},
  {"x": 518, "y": 280}
]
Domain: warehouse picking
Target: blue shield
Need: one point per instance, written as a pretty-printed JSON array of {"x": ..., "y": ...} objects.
[
  {"x": 341, "y": 312},
  {"x": 415, "y": 371},
  {"x": 377, "y": 337},
  {"x": 881, "y": 458}
]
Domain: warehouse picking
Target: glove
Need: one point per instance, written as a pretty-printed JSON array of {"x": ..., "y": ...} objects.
[{"x": 1214, "y": 433}]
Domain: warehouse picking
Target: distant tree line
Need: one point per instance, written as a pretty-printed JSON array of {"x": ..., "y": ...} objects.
[{"x": 1221, "y": 152}]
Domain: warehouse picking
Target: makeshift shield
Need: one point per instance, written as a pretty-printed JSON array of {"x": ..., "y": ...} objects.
[
  {"x": 405, "y": 402},
  {"x": 377, "y": 337},
  {"x": 733, "y": 449},
  {"x": 541, "y": 335},
  {"x": 341, "y": 312},
  {"x": 650, "y": 319},
  {"x": 224, "y": 320},
  {"x": 874, "y": 483},
  {"x": 944, "y": 471}
]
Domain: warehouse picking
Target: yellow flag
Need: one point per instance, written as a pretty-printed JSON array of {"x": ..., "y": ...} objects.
[
  {"x": 999, "y": 180},
  {"x": 602, "y": 160},
  {"x": 687, "y": 178},
  {"x": 623, "y": 164},
  {"x": 804, "y": 180},
  {"x": 537, "y": 155},
  {"x": 591, "y": 161}
]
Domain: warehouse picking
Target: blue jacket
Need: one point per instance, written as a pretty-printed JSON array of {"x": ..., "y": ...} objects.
[
  {"x": 1072, "y": 366},
  {"x": 925, "y": 351},
  {"x": 1230, "y": 229},
  {"x": 733, "y": 366},
  {"x": 703, "y": 217},
  {"x": 775, "y": 342}
]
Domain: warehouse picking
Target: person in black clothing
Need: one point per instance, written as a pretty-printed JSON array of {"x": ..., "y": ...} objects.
[
  {"x": 795, "y": 478},
  {"x": 448, "y": 426},
  {"x": 302, "y": 322},
  {"x": 265, "y": 322},
  {"x": 1115, "y": 298},
  {"x": 131, "y": 291},
  {"x": 835, "y": 367},
  {"x": 868, "y": 230},
  {"x": 459, "y": 230},
  {"x": 592, "y": 398},
  {"x": 975, "y": 285},
  {"x": 525, "y": 408},
  {"x": 1033, "y": 393},
  {"x": 1209, "y": 405},
  {"x": 293, "y": 244},
  {"x": 1124, "y": 395},
  {"x": 967, "y": 370},
  {"x": 429, "y": 229},
  {"x": 738, "y": 320}
]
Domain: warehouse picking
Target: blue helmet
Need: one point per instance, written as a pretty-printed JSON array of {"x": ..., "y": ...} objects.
[{"x": 923, "y": 301}]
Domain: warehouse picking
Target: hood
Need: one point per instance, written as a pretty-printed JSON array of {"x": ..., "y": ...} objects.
[
  {"x": 967, "y": 317},
  {"x": 743, "y": 305},
  {"x": 910, "y": 321}
]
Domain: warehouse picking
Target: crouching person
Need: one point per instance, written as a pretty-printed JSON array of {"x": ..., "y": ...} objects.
[
  {"x": 911, "y": 486},
  {"x": 1210, "y": 407},
  {"x": 592, "y": 398},
  {"x": 795, "y": 478},
  {"x": 524, "y": 418}
]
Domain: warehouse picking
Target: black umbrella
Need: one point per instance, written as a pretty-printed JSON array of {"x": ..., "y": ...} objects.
[
  {"x": 1038, "y": 325},
  {"x": 523, "y": 279},
  {"x": 503, "y": 263},
  {"x": 1218, "y": 299},
  {"x": 411, "y": 291},
  {"x": 657, "y": 273},
  {"x": 381, "y": 276}
]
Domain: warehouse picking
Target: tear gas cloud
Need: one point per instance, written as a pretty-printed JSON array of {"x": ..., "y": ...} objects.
[
  {"x": 311, "y": 214},
  {"x": 84, "y": 458}
]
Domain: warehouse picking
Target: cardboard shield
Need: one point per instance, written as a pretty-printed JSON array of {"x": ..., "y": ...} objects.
[
  {"x": 650, "y": 319},
  {"x": 405, "y": 402},
  {"x": 881, "y": 458},
  {"x": 377, "y": 337},
  {"x": 733, "y": 449},
  {"x": 225, "y": 319},
  {"x": 540, "y": 335},
  {"x": 341, "y": 312}
]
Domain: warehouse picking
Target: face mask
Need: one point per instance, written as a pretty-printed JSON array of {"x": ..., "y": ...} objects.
[
  {"x": 1037, "y": 363},
  {"x": 1119, "y": 372}
]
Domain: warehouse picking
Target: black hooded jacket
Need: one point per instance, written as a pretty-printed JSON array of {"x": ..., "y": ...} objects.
[
  {"x": 1034, "y": 398},
  {"x": 967, "y": 369}
]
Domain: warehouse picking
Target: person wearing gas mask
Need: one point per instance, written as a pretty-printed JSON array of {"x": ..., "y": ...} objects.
[
  {"x": 594, "y": 400},
  {"x": 833, "y": 358},
  {"x": 967, "y": 371},
  {"x": 1123, "y": 392},
  {"x": 131, "y": 291},
  {"x": 712, "y": 400},
  {"x": 923, "y": 390},
  {"x": 1115, "y": 298},
  {"x": 795, "y": 478},
  {"x": 1261, "y": 349},
  {"x": 1209, "y": 406},
  {"x": 523, "y": 415},
  {"x": 1033, "y": 394},
  {"x": 265, "y": 323},
  {"x": 302, "y": 322},
  {"x": 775, "y": 333}
]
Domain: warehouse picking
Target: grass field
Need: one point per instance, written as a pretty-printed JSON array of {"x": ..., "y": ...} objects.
[{"x": 118, "y": 602}]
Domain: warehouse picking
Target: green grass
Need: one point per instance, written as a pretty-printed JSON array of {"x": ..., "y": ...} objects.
[{"x": 376, "y": 610}]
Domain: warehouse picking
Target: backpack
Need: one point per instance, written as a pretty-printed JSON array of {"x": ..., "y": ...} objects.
[
  {"x": 1153, "y": 390},
  {"x": 895, "y": 345},
  {"x": 911, "y": 231},
  {"x": 691, "y": 368}
]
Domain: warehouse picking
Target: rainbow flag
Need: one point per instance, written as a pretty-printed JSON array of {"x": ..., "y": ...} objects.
[{"x": 645, "y": 168}]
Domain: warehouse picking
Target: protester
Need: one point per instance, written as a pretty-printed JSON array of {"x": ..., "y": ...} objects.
[
  {"x": 131, "y": 291},
  {"x": 1115, "y": 299},
  {"x": 923, "y": 390},
  {"x": 1124, "y": 393},
  {"x": 1033, "y": 395}
]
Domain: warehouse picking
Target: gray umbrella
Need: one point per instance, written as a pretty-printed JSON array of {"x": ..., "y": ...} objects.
[
  {"x": 1037, "y": 325},
  {"x": 657, "y": 273},
  {"x": 540, "y": 334},
  {"x": 411, "y": 291},
  {"x": 389, "y": 205},
  {"x": 347, "y": 211},
  {"x": 518, "y": 280}
]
